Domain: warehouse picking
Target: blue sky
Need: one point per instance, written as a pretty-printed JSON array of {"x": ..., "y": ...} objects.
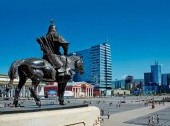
[{"x": 137, "y": 30}]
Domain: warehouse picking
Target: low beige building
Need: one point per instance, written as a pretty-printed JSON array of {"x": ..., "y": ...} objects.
[
  {"x": 120, "y": 92},
  {"x": 4, "y": 80},
  {"x": 80, "y": 89}
]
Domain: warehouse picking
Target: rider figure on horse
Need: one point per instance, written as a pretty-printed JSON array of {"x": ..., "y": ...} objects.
[
  {"x": 56, "y": 40},
  {"x": 51, "y": 48}
]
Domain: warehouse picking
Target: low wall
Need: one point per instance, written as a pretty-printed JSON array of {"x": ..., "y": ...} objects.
[{"x": 85, "y": 116}]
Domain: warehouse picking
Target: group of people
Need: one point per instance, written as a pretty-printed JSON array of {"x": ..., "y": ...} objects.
[
  {"x": 166, "y": 99},
  {"x": 102, "y": 114},
  {"x": 151, "y": 120}
]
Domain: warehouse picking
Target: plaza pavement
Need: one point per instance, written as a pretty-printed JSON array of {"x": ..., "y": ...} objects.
[
  {"x": 131, "y": 113},
  {"x": 119, "y": 119}
]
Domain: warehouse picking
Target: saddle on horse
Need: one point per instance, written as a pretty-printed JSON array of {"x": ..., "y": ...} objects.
[{"x": 60, "y": 63}]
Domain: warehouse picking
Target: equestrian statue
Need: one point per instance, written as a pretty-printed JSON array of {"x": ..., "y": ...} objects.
[{"x": 53, "y": 67}]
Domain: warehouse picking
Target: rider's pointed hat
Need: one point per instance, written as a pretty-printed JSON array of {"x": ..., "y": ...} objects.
[{"x": 52, "y": 28}]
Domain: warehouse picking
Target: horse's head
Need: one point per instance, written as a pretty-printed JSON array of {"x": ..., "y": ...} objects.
[{"x": 79, "y": 65}]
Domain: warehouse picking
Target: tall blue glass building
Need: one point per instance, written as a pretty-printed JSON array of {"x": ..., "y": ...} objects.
[
  {"x": 97, "y": 67},
  {"x": 164, "y": 79},
  {"x": 165, "y": 82},
  {"x": 147, "y": 78},
  {"x": 156, "y": 73}
]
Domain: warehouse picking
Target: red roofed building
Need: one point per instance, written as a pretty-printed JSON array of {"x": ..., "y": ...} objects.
[{"x": 79, "y": 89}]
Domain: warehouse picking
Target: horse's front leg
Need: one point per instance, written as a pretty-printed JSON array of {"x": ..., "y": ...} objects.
[
  {"x": 60, "y": 93},
  {"x": 61, "y": 90}
]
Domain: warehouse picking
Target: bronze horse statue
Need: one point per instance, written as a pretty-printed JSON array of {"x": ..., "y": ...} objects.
[{"x": 38, "y": 70}]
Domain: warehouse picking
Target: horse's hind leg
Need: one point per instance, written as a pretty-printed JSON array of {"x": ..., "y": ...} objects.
[
  {"x": 22, "y": 81},
  {"x": 33, "y": 91}
]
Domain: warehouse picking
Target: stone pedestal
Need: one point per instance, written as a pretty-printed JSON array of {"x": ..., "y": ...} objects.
[{"x": 85, "y": 116}]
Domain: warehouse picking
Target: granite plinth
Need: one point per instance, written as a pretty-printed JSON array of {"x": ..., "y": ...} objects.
[
  {"x": 34, "y": 108},
  {"x": 59, "y": 116}
]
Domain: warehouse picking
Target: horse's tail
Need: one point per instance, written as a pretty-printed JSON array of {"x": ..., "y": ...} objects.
[
  {"x": 12, "y": 73},
  {"x": 13, "y": 70}
]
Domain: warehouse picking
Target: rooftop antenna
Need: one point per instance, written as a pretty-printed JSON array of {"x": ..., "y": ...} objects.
[{"x": 156, "y": 62}]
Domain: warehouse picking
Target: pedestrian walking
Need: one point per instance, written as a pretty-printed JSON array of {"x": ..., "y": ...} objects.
[
  {"x": 153, "y": 120},
  {"x": 119, "y": 105},
  {"x": 98, "y": 102},
  {"x": 153, "y": 104},
  {"x": 149, "y": 120},
  {"x": 102, "y": 119},
  {"x": 108, "y": 115},
  {"x": 157, "y": 118},
  {"x": 102, "y": 112},
  {"x": 5, "y": 105}
]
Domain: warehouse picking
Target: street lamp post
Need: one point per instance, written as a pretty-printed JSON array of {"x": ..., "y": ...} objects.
[
  {"x": 116, "y": 84},
  {"x": 124, "y": 96},
  {"x": 140, "y": 91},
  {"x": 159, "y": 89},
  {"x": 152, "y": 87}
]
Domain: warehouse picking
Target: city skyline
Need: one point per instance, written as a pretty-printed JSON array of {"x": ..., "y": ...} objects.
[{"x": 138, "y": 31}]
